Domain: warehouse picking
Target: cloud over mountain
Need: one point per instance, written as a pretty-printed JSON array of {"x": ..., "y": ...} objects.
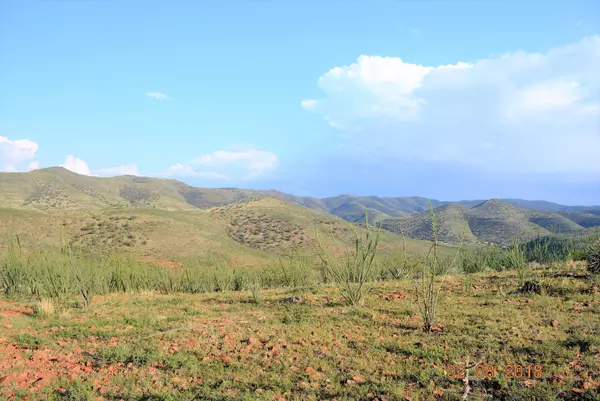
[{"x": 518, "y": 112}]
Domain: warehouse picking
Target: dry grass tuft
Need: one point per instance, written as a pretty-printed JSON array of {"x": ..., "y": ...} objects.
[{"x": 44, "y": 308}]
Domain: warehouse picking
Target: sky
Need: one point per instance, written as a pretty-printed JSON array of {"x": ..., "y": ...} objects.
[{"x": 451, "y": 100}]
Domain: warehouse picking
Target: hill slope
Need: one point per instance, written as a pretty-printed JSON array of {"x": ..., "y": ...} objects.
[
  {"x": 56, "y": 190},
  {"x": 450, "y": 222},
  {"x": 492, "y": 221},
  {"x": 253, "y": 231}
]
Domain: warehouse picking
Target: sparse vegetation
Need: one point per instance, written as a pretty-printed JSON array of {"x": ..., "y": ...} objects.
[
  {"x": 44, "y": 308},
  {"x": 593, "y": 259},
  {"x": 399, "y": 265},
  {"x": 351, "y": 267},
  {"x": 201, "y": 312},
  {"x": 428, "y": 285},
  {"x": 150, "y": 345},
  {"x": 516, "y": 261}
]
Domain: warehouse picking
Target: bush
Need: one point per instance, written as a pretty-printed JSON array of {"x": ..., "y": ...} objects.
[
  {"x": 351, "y": 268},
  {"x": 399, "y": 265},
  {"x": 429, "y": 285},
  {"x": 516, "y": 260},
  {"x": 255, "y": 290},
  {"x": 593, "y": 259},
  {"x": 295, "y": 270},
  {"x": 548, "y": 249}
]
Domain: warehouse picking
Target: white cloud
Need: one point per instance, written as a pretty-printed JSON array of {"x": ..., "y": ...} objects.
[
  {"x": 309, "y": 104},
  {"x": 33, "y": 165},
  {"x": 556, "y": 94},
  {"x": 129, "y": 169},
  {"x": 185, "y": 170},
  {"x": 241, "y": 164},
  {"x": 157, "y": 95},
  {"x": 590, "y": 109},
  {"x": 15, "y": 152},
  {"x": 518, "y": 111},
  {"x": 76, "y": 165},
  {"x": 254, "y": 160}
]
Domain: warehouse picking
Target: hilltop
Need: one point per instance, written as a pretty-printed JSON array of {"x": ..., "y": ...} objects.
[
  {"x": 49, "y": 200},
  {"x": 160, "y": 218},
  {"x": 492, "y": 221},
  {"x": 56, "y": 188}
]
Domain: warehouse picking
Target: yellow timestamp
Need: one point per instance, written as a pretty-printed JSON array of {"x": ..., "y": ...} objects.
[{"x": 488, "y": 371}]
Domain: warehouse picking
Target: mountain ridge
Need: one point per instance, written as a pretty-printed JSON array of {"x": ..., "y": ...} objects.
[
  {"x": 57, "y": 189},
  {"x": 493, "y": 221}
]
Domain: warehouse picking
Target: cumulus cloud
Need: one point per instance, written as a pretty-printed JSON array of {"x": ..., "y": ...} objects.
[
  {"x": 519, "y": 112},
  {"x": 241, "y": 164},
  {"x": 157, "y": 95},
  {"x": 128, "y": 169},
  {"x": 13, "y": 153},
  {"x": 186, "y": 170},
  {"x": 33, "y": 165},
  {"x": 76, "y": 165},
  {"x": 309, "y": 104}
]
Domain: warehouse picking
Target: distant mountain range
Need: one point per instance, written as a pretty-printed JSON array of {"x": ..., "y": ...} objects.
[
  {"x": 493, "y": 221},
  {"x": 57, "y": 189}
]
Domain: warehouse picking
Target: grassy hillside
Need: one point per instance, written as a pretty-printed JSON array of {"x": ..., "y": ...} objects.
[
  {"x": 585, "y": 219},
  {"x": 450, "y": 221},
  {"x": 55, "y": 189},
  {"x": 57, "y": 199},
  {"x": 492, "y": 221},
  {"x": 191, "y": 307},
  {"x": 354, "y": 208},
  {"x": 253, "y": 231}
]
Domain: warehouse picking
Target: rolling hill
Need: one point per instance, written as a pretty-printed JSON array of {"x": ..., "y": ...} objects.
[
  {"x": 450, "y": 223},
  {"x": 492, "y": 221},
  {"x": 354, "y": 208},
  {"x": 161, "y": 218},
  {"x": 47, "y": 198}
]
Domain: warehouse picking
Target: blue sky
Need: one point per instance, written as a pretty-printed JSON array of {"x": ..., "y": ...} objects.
[{"x": 451, "y": 100}]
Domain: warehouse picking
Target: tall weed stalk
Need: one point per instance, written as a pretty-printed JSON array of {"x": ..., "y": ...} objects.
[
  {"x": 351, "y": 267},
  {"x": 429, "y": 284}
]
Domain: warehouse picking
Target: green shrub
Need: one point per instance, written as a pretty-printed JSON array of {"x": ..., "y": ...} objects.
[
  {"x": 351, "y": 267},
  {"x": 516, "y": 260},
  {"x": 593, "y": 259},
  {"x": 399, "y": 265},
  {"x": 428, "y": 285},
  {"x": 295, "y": 270}
]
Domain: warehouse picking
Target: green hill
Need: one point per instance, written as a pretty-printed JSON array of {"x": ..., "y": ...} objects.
[
  {"x": 354, "y": 208},
  {"x": 492, "y": 221},
  {"x": 160, "y": 218},
  {"x": 450, "y": 222},
  {"x": 48, "y": 198},
  {"x": 587, "y": 219}
]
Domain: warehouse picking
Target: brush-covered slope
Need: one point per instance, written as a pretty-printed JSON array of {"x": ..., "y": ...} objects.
[
  {"x": 498, "y": 221},
  {"x": 587, "y": 218},
  {"x": 450, "y": 220},
  {"x": 354, "y": 208},
  {"x": 56, "y": 189},
  {"x": 490, "y": 221},
  {"x": 252, "y": 231}
]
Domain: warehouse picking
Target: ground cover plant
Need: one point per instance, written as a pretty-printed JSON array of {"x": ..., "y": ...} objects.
[
  {"x": 79, "y": 327},
  {"x": 181, "y": 346}
]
